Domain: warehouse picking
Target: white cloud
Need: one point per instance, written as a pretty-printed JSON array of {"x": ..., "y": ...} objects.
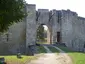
[{"x": 74, "y": 5}]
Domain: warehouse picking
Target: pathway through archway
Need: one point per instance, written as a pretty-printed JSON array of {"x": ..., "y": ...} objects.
[
  {"x": 53, "y": 58},
  {"x": 43, "y": 34}
]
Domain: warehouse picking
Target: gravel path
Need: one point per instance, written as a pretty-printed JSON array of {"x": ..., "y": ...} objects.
[{"x": 53, "y": 58}]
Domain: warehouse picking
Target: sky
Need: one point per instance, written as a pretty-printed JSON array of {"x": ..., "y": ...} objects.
[{"x": 74, "y": 5}]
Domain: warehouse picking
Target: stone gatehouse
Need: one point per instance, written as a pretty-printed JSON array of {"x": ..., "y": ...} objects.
[{"x": 64, "y": 26}]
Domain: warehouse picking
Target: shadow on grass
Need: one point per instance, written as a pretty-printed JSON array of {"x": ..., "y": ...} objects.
[
  {"x": 41, "y": 49},
  {"x": 63, "y": 47}
]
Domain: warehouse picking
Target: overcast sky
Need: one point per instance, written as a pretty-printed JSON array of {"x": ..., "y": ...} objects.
[{"x": 74, "y": 5}]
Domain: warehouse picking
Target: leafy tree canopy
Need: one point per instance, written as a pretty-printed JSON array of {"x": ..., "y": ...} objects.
[{"x": 11, "y": 11}]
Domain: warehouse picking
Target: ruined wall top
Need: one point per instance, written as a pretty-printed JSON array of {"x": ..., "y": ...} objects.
[
  {"x": 43, "y": 10},
  {"x": 81, "y": 18},
  {"x": 33, "y": 6},
  {"x": 30, "y": 5}
]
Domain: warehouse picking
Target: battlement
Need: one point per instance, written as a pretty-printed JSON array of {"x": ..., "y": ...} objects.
[
  {"x": 30, "y": 4},
  {"x": 43, "y": 10},
  {"x": 69, "y": 11}
]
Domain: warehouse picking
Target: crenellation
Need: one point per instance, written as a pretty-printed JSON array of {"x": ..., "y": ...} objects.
[
  {"x": 67, "y": 23},
  {"x": 43, "y": 10},
  {"x": 31, "y": 5}
]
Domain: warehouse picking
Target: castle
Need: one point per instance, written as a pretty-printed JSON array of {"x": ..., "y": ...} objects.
[{"x": 64, "y": 26}]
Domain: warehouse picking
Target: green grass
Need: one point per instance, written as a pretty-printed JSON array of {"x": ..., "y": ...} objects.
[
  {"x": 53, "y": 49},
  {"x": 14, "y": 60},
  {"x": 42, "y": 42},
  {"x": 77, "y": 57},
  {"x": 41, "y": 49}
]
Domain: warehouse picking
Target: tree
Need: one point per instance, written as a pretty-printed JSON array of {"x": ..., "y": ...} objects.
[
  {"x": 40, "y": 33},
  {"x": 11, "y": 11}
]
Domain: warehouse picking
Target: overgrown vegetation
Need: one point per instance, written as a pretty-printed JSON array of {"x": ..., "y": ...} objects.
[
  {"x": 77, "y": 57},
  {"x": 40, "y": 33}
]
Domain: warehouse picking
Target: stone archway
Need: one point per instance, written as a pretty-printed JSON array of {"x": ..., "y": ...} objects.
[
  {"x": 47, "y": 35},
  {"x": 67, "y": 22},
  {"x": 36, "y": 18}
]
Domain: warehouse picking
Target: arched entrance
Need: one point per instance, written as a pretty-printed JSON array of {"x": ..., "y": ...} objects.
[
  {"x": 33, "y": 21},
  {"x": 43, "y": 34}
]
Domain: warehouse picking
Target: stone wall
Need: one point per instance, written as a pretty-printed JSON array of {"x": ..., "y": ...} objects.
[
  {"x": 79, "y": 34},
  {"x": 18, "y": 39},
  {"x": 30, "y": 25},
  {"x": 21, "y": 37},
  {"x": 15, "y": 42},
  {"x": 73, "y": 29},
  {"x": 31, "y": 29},
  {"x": 66, "y": 27},
  {"x": 43, "y": 19}
]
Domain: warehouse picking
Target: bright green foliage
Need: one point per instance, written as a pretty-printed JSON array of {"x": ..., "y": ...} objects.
[
  {"x": 11, "y": 11},
  {"x": 40, "y": 33}
]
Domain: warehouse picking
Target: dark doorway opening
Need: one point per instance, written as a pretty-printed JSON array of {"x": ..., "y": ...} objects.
[
  {"x": 58, "y": 37},
  {"x": 84, "y": 45}
]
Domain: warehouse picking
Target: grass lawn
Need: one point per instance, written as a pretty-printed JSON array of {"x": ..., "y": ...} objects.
[
  {"x": 14, "y": 60},
  {"x": 41, "y": 49},
  {"x": 77, "y": 57},
  {"x": 53, "y": 49}
]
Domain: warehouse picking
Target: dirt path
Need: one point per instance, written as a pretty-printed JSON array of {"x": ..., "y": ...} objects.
[{"x": 52, "y": 58}]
